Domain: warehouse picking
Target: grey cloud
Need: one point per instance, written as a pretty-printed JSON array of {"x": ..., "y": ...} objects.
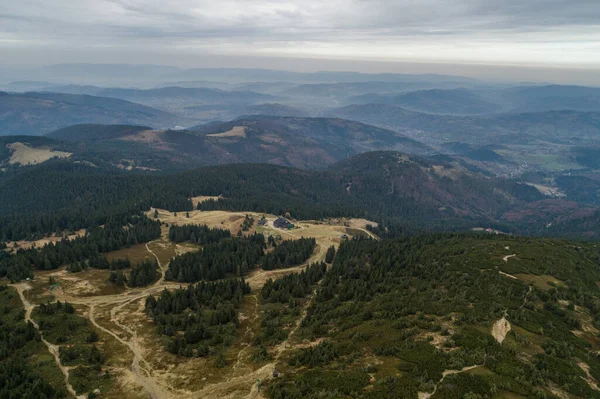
[{"x": 514, "y": 31}]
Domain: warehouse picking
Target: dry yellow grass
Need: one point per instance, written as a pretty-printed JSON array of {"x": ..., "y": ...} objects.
[
  {"x": 236, "y": 131},
  {"x": 24, "y": 154},
  {"x": 23, "y": 244}
]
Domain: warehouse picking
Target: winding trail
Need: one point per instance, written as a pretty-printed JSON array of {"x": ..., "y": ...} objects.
[
  {"x": 53, "y": 349},
  {"x": 427, "y": 395},
  {"x": 502, "y": 327},
  {"x": 162, "y": 269}
]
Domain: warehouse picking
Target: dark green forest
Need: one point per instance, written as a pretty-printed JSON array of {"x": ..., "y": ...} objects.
[
  {"x": 199, "y": 320},
  {"x": 197, "y": 234},
  {"x": 229, "y": 257},
  {"x": 289, "y": 253},
  {"x": 388, "y": 297},
  {"x": 80, "y": 196}
]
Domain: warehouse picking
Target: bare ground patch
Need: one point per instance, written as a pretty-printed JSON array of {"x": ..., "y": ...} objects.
[
  {"x": 542, "y": 282},
  {"x": 13, "y": 246},
  {"x": 24, "y": 154},
  {"x": 136, "y": 254},
  {"x": 500, "y": 329},
  {"x": 236, "y": 131}
]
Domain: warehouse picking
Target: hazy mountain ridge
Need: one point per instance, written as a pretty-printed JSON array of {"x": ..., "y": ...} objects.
[
  {"x": 39, "y": 113},
  {"x": 436, "y": 101},
  {"x": 527, "y": 138}
]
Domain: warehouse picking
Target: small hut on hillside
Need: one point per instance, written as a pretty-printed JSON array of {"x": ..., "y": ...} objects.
[{"x": 283, "y": 223}]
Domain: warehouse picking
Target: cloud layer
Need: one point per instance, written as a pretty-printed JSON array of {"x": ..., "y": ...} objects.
[{"x": 511, "y": 32}]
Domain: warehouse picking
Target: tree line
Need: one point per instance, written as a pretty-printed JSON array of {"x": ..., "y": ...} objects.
[
  {"x": 112, "y": 236},
  {"x": 197, "y": 234},
  {"x": 293, "y": 286},
  {"x": 231, "y": 256},
  {"x": 289, "y": 253}
]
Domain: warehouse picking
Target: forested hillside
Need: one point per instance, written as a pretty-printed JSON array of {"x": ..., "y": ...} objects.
[
  {"x": 79, "y": 196},
  {"x": 404, "y": 312},
  {"x": 388, "y": 187},
  {"x": 91, "y": 133}
]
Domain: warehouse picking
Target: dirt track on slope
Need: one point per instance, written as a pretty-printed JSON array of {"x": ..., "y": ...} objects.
[{"x": 53, "y": 349}]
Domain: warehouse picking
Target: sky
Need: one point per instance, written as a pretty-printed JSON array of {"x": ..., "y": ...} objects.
[{"x": 525, "y": 39}]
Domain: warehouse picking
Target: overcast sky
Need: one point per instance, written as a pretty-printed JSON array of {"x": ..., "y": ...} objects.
[{"x": 381, "y": 35}]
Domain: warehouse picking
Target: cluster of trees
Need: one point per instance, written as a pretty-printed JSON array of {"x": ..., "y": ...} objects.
[
  {"x": 111, "y": 237},
  {"x": 89, "y": 355},
  {"x": 247, "y": 223},
  {"x": 232, "y": 256},
  {"x": 289, "y": 253},
  {"x": 102, "y": 194},
  {"x": 330, "y": 255},
  {"x": 118, "y": 278},
  {"x": 295, "y": 285},
  {"x": 56, "y": 308},
  {"x": 98, "y": 262},
  {"x": 198, "y": 320},
  {"x": 320, "y": 355},
  {"x": 197, "y": 234},
  {"x": 143, "y": 274}
]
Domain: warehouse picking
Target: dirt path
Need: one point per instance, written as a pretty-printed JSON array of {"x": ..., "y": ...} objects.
[
  {"x": 53, "y": 349},
  {"x": 507, "y": 257},
  {"x": 525, "y": 297},
  {"x": 427, "y": 395},
  {"x": 248, "y": 333},
  {"x": 162, "y": 269},
  {"x": 588, "y": 378},
  {"x": 507, "y": 275}
]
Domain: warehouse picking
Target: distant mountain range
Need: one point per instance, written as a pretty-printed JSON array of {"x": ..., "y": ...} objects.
[
  {"x": 559, "y": 126},
  {"x": 551, "y": 97},
  {"x": 41, "y": 113},
  {"x": 435, "y": 101},
  {"x": 174, "y": 94},
  {"x": 113, "y": 74}
]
